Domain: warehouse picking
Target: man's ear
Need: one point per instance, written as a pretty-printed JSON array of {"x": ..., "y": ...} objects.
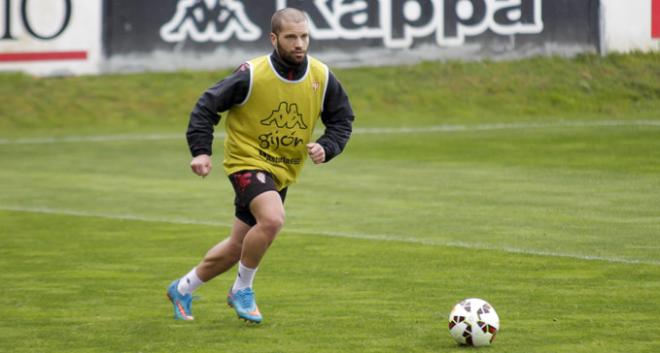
[{"x": 273, "y": 39}]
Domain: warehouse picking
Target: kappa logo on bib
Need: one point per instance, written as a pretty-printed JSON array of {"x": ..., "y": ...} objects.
[{"x": 285, "y": 116}]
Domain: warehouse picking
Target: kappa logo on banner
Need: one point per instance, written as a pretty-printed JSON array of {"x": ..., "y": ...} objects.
[
  {"x": 399, "y": 22},
  {"x": 209, "y": 20}
]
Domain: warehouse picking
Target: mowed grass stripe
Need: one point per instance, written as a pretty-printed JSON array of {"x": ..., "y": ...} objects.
[
  {"x": 584, "y": 192},
  {"x": 330, "y": 233},
  {"x": 357, "y": 130}
]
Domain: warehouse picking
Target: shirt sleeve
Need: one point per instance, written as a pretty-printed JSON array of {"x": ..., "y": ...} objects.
[
  {"x": 337, "y": 116},
  {"x": 206, "y": 114}
]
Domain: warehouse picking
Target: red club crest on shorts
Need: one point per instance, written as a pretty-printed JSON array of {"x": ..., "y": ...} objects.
[{"x": 243, "y": 180}]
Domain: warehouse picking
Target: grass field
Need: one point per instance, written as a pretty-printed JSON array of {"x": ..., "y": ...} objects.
[{"x": 538, "y": 193}]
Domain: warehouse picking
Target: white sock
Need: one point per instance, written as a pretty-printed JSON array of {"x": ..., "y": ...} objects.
[
  {"x": 189, "y": 283},
  {"x": 244, "y": 278}
]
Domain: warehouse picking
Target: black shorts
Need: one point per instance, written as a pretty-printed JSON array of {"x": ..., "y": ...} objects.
[{"x": 248, "y": 184}]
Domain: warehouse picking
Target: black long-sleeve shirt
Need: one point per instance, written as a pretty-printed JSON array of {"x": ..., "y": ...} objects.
[{"x": 337, "y": 114}]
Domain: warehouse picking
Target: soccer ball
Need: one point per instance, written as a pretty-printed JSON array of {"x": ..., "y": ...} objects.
[{"x": 473, "y": 322}]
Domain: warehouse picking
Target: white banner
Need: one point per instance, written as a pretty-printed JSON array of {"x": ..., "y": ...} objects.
[
  {"x": 50, "y": 37},
  {"x": 628, "y": 25}
]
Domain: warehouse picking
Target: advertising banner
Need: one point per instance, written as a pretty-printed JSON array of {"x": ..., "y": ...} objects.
[
  {"x": 171, "y": 34},
  {"x": 50, "y": 37},
  {"x": 630, "y": 25}
]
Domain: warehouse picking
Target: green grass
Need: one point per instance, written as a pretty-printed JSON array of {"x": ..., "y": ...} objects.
[
  {"x": 97, "y": 285},
  {"x": 587, "y": 87},
  {"x": 555, "y": 225}
]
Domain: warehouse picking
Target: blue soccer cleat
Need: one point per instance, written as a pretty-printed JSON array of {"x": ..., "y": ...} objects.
[
  {"x": 243, "y": 302},
  {"x": 182, "y": 303}
]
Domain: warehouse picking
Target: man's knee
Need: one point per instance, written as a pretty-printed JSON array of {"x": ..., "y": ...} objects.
[
  {"x": 271, "y": 223},
  {"x": 268, "y": 210}
]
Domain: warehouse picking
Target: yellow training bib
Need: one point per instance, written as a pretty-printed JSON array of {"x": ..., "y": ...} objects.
[{"x": 271, "y": 128}]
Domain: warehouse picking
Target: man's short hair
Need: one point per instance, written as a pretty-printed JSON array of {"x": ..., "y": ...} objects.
[{"x": 286, "y": 15}]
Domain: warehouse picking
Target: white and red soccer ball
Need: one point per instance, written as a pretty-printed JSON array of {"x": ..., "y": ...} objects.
[{"x": 473, "y": 322}]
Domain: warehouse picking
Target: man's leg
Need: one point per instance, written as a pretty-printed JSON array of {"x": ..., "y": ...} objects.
[
  {"x": 218, "y": 260},
  {"x": 268, "y": 210},
  {"x": 225, "y": 254}
]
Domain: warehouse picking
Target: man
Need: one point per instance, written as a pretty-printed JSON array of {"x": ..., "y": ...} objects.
[{"x": 272, "y": 104}]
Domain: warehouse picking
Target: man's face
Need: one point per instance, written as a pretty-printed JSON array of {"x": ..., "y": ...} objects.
[{"x": 292, "y": 42}]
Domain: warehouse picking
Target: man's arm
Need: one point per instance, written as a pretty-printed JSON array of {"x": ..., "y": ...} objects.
[
  {"x": 337, "y": 116},
  {"x": 206, "y": 113}
]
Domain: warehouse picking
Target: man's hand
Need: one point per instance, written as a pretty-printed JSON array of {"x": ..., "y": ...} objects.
[
  {"x": 316, "y": 152},
  {"x": 201, "y": 165}
]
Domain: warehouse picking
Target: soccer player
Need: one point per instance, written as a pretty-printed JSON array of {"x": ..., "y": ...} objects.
[{"x": 272, "y": 104}]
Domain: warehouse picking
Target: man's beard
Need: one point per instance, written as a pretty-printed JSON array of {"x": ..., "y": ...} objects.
[{"x": 289, "y": 58}]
